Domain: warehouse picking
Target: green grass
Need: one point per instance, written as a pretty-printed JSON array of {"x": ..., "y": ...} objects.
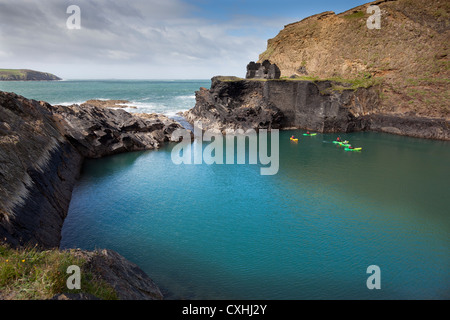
[
  {"x": 228, "y": 78},
  {"x": 364, "y": 80},
  {"x": 14, "y": 72},
  {"x": 30, "y": 274},
  {"x": 355, "y": 15}
]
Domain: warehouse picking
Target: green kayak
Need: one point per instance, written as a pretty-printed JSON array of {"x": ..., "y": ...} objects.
[
  {"x": 310, "y": 135},
  {"x": 342, "y": 143},
  {"x": 354, "y": 149}
]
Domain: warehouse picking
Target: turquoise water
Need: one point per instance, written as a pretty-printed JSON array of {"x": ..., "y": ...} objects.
[
  {"x": 226, "y": 232},
  {"x": 309, "y": 232},
  {"x": 162, "y": 96}
]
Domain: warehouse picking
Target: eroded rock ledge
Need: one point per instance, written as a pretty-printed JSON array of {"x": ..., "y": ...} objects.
[
  {"x": 127, "y": 279},
  {"x": 321, "y": 106}
]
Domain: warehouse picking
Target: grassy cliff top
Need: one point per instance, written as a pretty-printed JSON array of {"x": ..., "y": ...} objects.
[
  {"x": 26, "y": 75},
  {"x": 409, "y": 54}
]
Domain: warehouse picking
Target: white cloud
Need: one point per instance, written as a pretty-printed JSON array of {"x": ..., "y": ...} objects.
[{"x": 135, "y": 39}]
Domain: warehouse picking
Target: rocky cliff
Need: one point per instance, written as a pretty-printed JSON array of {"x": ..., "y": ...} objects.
[
  {"x": 322, "y": 106},
  {"x": 38, "y": 170},
  {"x": 339, "y": 75},
  {"x": 42, "y": 149},
  {"x": 26, "y": 75},
  {"x": 408, "y": 54}
]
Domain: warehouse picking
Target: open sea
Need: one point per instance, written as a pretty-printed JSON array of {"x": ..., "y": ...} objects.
[{"x": 227, "y": 232}]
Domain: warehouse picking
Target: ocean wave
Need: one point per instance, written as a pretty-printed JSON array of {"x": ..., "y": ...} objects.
[
  {"x": 169, "y": 106},
  {"x": 191, "y": 96},
  {"x": 68, "y": 103}
]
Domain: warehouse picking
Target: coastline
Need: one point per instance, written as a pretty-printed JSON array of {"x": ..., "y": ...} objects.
[
  {"x": 66, "y": 121},
  {"x": 307, "y": 105}
]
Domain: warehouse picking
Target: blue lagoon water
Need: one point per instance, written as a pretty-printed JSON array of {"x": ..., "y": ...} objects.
[
  {"x": 309, "y": 232},
  {"x": 226, "y": 232}
]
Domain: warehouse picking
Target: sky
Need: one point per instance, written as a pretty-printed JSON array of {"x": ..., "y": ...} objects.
[{"x": 146, "y": 39}]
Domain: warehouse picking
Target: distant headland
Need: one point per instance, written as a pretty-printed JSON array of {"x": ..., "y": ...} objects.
[{"x": 26, "y": 75}]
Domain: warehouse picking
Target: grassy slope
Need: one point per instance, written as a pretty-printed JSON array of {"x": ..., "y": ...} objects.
[
  {"x": 30, "y": 274},
  {"x": 409, "y": 54},
  {"x": 24, "y": 74}
]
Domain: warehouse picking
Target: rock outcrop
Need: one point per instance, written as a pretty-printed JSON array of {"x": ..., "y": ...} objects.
[
  {"x": 322, "y": 106},
  {"x": 232, "y": 105},
  {"x": 97, "y": 132},
  {"x": 38, "y": 169},
  {"x": 41, "y": 152},
  {"x": 109, "y": 103},
  {"x": 126, "y": 278}
]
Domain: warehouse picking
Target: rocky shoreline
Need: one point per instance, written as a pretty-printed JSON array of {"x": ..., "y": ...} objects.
[
  {"x": 42, "y": 148},
  {"x": 232, "y": 104}
]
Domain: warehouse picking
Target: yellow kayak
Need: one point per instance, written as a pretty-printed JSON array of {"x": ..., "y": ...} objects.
[{"x": 295, "y": 140}]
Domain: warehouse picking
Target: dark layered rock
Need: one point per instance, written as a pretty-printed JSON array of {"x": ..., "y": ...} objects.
[
  {"x": 264, "y": 70},
  {"x": 41, "y": 152},
  {"x": 125, "y": 277},
  {"x": 97, "y": 132},
  {"x": 38, "y": 169},
  {"x": 321, "y": 106},
  {"x": 232, "y": 105},
  {"x": 428, "y": 128}
]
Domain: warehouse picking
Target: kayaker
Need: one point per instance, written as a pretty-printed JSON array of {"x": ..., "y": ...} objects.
[
  {"x": 307, "y": 132},
  {"x": 338, "y": 139},
  {"x": 292, "y": 137}
]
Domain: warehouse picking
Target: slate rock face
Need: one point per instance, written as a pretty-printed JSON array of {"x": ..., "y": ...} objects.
[
  {"x": 127, "y": 279},
  {"x": 38, "y": 169},
  {"x": 42, "y": 148},
  {"x": 299, "y": 104},
  {"x": 233, "y": 105},
  {"x": 97, "y": 132}
]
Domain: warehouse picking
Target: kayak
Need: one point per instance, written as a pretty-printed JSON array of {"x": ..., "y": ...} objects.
[
  {"x": 295, "y": 140},
  {"x": 354, "y": 149},
  {"x": 342, "y": 143},
  {"x": 310, "y": 135}
]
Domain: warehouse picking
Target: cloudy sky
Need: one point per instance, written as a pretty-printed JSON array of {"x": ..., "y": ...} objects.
[{"x": 146, "y": 39}]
